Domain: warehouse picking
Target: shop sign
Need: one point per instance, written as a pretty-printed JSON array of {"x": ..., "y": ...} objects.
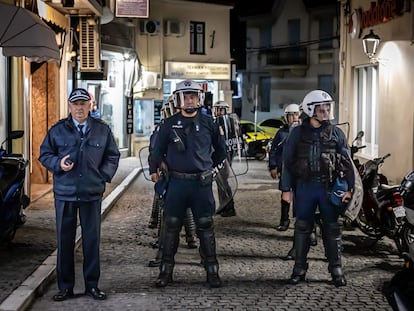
[
  {"x": 184, "y": 70},
  {"x": 130, "y": 116},
  {"x": 380, "y": 12},
  {"x": 132, "y": 8}
]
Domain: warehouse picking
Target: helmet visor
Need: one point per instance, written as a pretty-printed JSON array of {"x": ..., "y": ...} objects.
[
  {"x": 324, "y": 111},
  {"x": 196, "y": 96}
]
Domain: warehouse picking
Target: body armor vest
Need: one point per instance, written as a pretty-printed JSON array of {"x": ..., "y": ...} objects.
[{"x": 316, "y": 155}]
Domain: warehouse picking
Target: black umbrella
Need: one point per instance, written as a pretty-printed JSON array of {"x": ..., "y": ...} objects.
[{"x": 23, "y": 33}]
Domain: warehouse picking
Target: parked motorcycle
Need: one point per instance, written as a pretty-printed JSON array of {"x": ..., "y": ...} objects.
[
  {"x": 399, "y": 291},
  {"x": 13, "y": 199},
  {"x": 382, "y": 212}
]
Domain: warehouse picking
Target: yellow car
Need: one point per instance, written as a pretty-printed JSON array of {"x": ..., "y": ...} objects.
[
  {"x": 255, "y": 139},
  {"x": 272, "y": 125}
]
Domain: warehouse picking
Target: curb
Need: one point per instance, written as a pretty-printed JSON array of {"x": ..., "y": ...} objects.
[{"x": 35, "y": 284}]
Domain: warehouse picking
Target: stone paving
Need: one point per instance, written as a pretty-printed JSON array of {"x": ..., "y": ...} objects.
[{"x": 250, "y": 252}]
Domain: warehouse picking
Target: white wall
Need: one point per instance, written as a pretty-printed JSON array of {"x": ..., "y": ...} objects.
[{"x": 396, "y": 109}]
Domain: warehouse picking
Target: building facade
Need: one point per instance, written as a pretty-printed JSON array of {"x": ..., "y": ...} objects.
[
  {"x": 291, "y": 48},
  {"x": 375, "y": 93},
  {"x": 129, "y": 61}
]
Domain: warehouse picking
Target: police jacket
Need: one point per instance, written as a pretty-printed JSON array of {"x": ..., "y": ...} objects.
[
  {"x": 317, "y": 154},
  {"x": 276, "y": 149},
  {"x": 95, "y": 157},
  {"x": 188, "y": 145}
]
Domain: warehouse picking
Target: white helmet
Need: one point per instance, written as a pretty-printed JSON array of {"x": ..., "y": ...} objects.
[
  {"x": 291, "y": 109},
  {"x": 317, "y": 98},
  {"x": 221, "y": 104},
  {"x": 188, "y": 86},
  {"x": 168, "y": 109}
]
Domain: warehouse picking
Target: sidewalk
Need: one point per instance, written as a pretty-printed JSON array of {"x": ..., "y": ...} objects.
[{"x": 29, "y": 265}]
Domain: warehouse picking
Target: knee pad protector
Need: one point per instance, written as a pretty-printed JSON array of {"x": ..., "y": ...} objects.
[
  {"x": 205, "y": 222},
  {"x": 332, "y": 228},
  {"x": 173, "y": 222},
  {"x": 303, "y": 226}
]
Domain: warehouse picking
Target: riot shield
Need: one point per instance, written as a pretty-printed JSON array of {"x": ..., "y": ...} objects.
[
  {"x": 354, "y": 206},
  {"x": 143, "y": 160},
  {"x": 224, "y": 187},
  {"x": 230, "y": 127}
]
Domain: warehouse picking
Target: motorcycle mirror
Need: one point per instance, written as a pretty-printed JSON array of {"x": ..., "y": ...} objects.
[{"x": 360, "y": 135}]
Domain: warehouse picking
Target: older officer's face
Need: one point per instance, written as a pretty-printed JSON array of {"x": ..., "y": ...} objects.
[{"x": 80, "y": 110}]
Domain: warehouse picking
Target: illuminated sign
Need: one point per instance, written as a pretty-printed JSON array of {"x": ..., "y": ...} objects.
[
  {"x": 132, "y": 8},
  {"x": 183, "y": 70},
  {"x": 380, "y": 12}
]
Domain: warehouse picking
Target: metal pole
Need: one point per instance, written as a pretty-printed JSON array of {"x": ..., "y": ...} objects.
[{"x": 256, "y": 90}]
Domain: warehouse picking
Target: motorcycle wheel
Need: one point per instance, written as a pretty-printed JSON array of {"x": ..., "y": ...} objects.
[
  {"x": 406, "y": 237},
  {"x": 368, "y": 229}
]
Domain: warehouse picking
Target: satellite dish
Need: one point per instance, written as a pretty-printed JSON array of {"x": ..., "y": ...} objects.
[{"x": 107, "y": 15}]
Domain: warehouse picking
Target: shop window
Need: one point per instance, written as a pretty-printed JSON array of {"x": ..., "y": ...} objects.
[
  {"x": 143, "y": 117},
  {"x": 197, "y": 38},
  {"x": 366, "y": 108}
]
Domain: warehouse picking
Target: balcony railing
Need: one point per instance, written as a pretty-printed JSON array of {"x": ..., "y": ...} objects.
[{"x": 286, "y": 57}]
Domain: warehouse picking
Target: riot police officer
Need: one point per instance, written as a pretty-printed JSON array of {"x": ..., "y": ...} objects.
[
  {"x": 315, "y": 153},
  {"x": 229, "y": 125},
  {"x": 191, "y": 145},
  {"x": 157, "y": 219},
  {"x": 275, "y": 158}
]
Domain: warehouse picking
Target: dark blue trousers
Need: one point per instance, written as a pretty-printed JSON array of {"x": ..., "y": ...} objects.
[
  {"x": 310, "y": 195},
  {"x": 66, "y": 223},
  {"x": 184, "y": 193}
]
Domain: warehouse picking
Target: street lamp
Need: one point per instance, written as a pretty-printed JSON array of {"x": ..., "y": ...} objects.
[{"x": 370, "y": 43}]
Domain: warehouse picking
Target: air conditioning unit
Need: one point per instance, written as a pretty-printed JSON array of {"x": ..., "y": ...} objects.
[
  {"x": 151, "y": 80},
  {"x": 174, "y": 28},
  {"x": 150, "y": 27},
  {"x": 89, "y": 45}
]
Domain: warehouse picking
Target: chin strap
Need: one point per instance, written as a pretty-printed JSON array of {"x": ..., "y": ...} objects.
[{"x": 190, "y": 110}]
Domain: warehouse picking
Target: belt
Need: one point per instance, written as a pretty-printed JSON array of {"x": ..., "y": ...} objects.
[{"x": 191, "y": 176}]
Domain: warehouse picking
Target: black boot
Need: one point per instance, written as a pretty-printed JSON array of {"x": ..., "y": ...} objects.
[
  {"x": 302, "y": 244},
  {"x": 190, "y": 231},
  {"x": 205, "y": 232},
  {"x": 165, "y": 276},
  {"x": 161, "y": 236},
  {"x": 284, "y": 216},
  {"x": 291, "y": 253},
  {"x": 333, "y": 247},
  {"x": 313, "y": 239},
  {"x": 228, "y": 210},
  {"x": 170, "y": 245},
  {"x": 153, "y": 223}
]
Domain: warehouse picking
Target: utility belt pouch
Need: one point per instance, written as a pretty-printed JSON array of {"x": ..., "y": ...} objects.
[{"x": 206, "y": 178}]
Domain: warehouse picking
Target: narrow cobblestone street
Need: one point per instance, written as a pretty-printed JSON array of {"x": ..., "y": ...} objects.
[{"x": 250, "y": 252}]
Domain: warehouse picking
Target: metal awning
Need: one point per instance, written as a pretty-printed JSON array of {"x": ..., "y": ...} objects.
[{"x": 23, "y": 33}]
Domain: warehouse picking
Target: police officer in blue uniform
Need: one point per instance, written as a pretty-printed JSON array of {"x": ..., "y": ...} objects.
[
  {"x": 82, "y": 154},
  {"x": 275, "y": 158},
  {"x": 314, "y": 155},
  {"x": 157, "y": 214},
  {"x": 191, "y": 145}
]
